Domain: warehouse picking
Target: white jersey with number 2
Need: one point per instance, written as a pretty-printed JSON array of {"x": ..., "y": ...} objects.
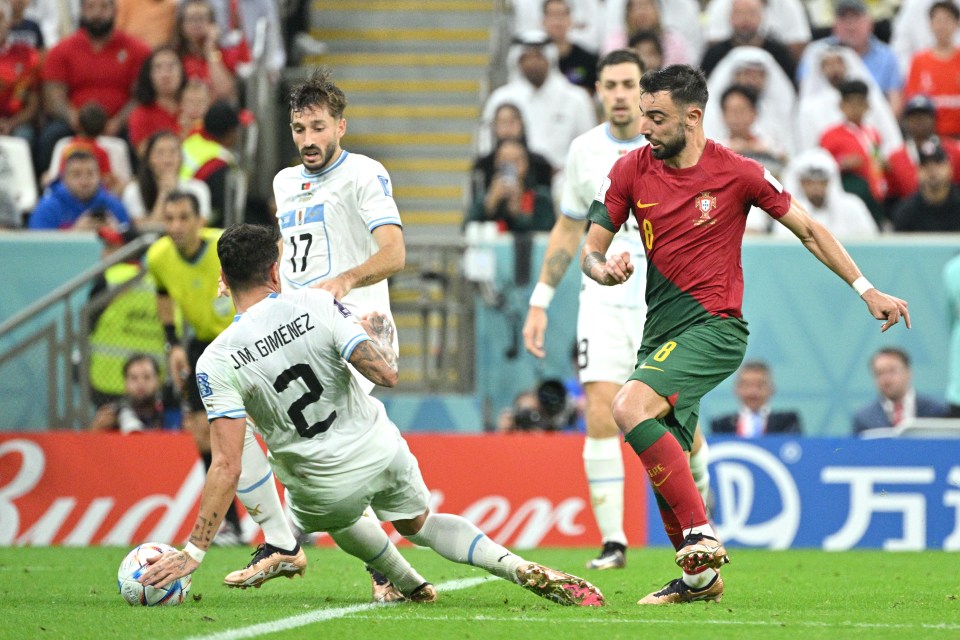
[
  {"x": 327, "y": 220},
  {"x": 283, "y": 364}
]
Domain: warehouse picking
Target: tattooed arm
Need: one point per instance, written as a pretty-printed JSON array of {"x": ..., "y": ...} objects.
[
  {"x": 607, "y": 270},
  {"x": 561, "y": 247},
  {"x": 375, "y": 358},
  {"x": 226, "y": 441}
]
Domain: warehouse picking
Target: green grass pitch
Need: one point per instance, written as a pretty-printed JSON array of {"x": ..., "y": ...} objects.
[{"x": 72, "y": 593}]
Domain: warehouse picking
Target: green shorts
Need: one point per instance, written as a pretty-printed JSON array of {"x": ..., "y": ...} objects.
[{"x": 684, "y": 368}]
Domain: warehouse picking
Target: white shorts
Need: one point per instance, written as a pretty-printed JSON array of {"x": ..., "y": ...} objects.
[
  {"x": 396, "y": 492},
  {"x": 608, "y": 339}
]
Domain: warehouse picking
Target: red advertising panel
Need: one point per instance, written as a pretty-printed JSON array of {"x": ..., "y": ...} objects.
[{"x": 88, "y": 489}]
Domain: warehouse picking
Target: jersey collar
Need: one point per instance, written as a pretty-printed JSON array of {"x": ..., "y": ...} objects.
[
  {"x": 239, "y": 315},
  {"x": 607, "y": 130},
  {"x": 343, "y": 156}
]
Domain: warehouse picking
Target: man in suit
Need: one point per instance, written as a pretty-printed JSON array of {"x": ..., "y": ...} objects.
[
  {"x": 754, "y": 388},
  {"x": 898, "y": 400}
]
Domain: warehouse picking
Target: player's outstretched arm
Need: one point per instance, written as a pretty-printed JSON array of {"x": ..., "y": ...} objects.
[
  {"x": 821, "y": 243},
  {"x": 597, "y": 265},
  {"x": 389, "y": 258},
  {"x": 561, "y": 247},
  {"x": 375, "y": 358},
  {"x": 226, "y": 441}
]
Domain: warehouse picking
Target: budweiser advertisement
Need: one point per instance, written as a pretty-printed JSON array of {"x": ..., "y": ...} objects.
[{"x": 82, "y": 489}]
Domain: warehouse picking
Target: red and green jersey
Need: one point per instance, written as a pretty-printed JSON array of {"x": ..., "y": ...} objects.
[{"x": 692, "y": 221}]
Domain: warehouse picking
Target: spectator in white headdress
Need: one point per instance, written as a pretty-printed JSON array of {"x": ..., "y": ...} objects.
[
  {"x": 819, "y": 106},
  {"x": 776, "y": 106}
]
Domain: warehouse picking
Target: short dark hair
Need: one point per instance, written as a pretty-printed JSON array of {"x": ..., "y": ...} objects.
[
  {"x": 319, "y": 90},
  {"x": 177, "y": 195},
  {"x": 247, "y": 251},
  {"x": 685, "y": 84},
  {"x": 92, "y": 119},
  {"x": 619, "y": 56},
  {"x": 896, "y": 352},
  {"x": 140, "y": 357},
  {"x": 221, "y": 118},
  {"x": 854, "y": 88},
  {"x": 747, "y": 92},
  {"x": 646, "y": 36},
  {"x": 947, "y": 6},
  {"x": 79, "y": 154}
]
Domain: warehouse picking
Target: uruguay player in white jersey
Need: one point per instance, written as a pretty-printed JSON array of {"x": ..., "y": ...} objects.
[
  {"x": 605, "y": 357},
  {"x": 341, "y": 232},
  {"x": 283, "y": 363},
  {"x": 340, "y": 224}
]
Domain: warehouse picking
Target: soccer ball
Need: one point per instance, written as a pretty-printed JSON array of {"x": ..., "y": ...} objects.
[{"x": 133, "y": 567}]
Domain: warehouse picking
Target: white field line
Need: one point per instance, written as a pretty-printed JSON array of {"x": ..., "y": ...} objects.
[{"x": 322, "y": 615}]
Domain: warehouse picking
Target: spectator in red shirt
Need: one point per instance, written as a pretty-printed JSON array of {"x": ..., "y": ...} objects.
[
  {"x": 856, "y": 148},
  {"x": 936, "y": 72},
  {"x": 197, "y": 42},
  {"x": 919, "y": 125},
  {"x": 19, "y": 82},
  {"x": 95, "y": 64},
  {"x": 157, "y": 92}
]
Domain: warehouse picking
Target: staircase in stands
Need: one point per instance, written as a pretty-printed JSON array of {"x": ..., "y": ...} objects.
[{"x": 413, "y": 71}]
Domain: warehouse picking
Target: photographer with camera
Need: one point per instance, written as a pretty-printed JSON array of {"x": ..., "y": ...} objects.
[
  {"x": 513, "y": 200},
  {"x": 546, "y": 408},
  {"x": 78, "y": 201}
]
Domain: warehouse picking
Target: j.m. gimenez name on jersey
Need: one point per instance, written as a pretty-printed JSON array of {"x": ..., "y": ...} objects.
[{"x": 282, "y": 363}]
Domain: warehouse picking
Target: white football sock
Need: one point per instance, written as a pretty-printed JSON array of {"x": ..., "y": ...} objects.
[
  {"x": 365, "y": 539},
  {"x": 457, "y": 539},
  {"x": 700, "y": 470},
  {"x": 698, "y": 580},
  {"x": 603, "y": 462},
  {"x": 258, "y": 493}
]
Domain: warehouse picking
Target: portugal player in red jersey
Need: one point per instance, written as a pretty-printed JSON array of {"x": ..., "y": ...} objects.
[{"x": 690, "y": 197}]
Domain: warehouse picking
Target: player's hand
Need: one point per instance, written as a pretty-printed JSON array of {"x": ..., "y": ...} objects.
[
  {"x": 338, "y": 286},
  {"x": 179, "y": 367},
  {"x": 886, "y": 307},
  {"x": 167, "y": 567},
  {"x": 616, "y": 270},
  {"x": 534, "y": 330}
]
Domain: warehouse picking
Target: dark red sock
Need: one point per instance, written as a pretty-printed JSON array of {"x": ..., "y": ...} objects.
[
  {"x": 669, "y": 473},
  {"x": 672, "y": 527}
]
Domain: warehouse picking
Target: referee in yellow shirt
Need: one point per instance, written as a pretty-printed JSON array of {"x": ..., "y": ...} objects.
[{"x": 186, "y": 268}]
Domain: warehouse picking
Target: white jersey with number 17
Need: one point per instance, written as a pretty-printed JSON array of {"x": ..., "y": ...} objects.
[
  {"x": 327, "y": 219},
  {"x": 282, "y": 363}
]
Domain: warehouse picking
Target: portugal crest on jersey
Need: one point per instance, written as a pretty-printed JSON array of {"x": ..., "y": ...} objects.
[{"x": 705, "y": 204}]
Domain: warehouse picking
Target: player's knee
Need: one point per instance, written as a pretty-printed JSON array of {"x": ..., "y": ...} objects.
[{"x": 410, "y": 527}]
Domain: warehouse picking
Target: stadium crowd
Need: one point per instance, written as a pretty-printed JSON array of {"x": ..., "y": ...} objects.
[{"x": 853, "y": 105}]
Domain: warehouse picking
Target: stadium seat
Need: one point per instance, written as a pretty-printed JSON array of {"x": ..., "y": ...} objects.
[
  {"x": 16, "y": 172},
  {"x": 116, "y": 149}
]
